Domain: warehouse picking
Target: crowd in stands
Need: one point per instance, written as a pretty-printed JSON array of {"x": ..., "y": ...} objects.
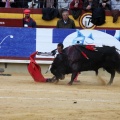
[
  {"x": 47, "y": 3},
  {"x": 75, "y": 6},
  {"x": 65, "y": 4}
]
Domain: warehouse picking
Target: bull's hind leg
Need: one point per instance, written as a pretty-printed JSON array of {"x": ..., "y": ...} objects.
[
  {"x": 112, "y": 72},
  {"x": 96, "y": 72},
  {"x": 111, "y": 78},
  {"x": 73, "y": 76}
]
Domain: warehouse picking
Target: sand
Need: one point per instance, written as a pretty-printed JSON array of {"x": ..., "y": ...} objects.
[{"x": 90, "y": 99}]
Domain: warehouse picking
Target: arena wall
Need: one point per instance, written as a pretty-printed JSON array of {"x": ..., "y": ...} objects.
[
  {"x": 17, "y": 44},
  {"x": 20, "y": 68}
]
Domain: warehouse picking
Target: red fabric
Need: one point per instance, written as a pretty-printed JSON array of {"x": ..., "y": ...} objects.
[
  {"x": 90, "y": 47},
  {"x": 76, "y": 77},
  {"x": 80, "y": 5},
  {"x": 35, "y": 70},
  {"x": 84, "y": 55}
]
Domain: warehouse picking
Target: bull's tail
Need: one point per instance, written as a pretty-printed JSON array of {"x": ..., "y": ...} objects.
[
  {"x": 117, "y": 60},
  {"x": 112, "y": 57}
]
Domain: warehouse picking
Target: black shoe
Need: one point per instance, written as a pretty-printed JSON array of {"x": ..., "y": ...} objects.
[{"x": 49, "y": 80}]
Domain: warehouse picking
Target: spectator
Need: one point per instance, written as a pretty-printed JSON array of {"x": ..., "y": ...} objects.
[
  {"x": 65, "y": 22},
  {"x": 28, "y": 21},
  {"x": 55, "y": 3},
  {"x": 7, "y": 3},
  {"x": 49, "y": 3},
  {"x": 105, "y": 4},
  {"x": 2, "y": 4},
  {"x": 90, "y": 4},
  {"x": 63, "y": 5},
  {"x": 22, "y": 3},
  {"x": 98, "y": 13},
  {"x": 36, "y": 4},
  {"x": 76, "y": 8},
  {"x": 115, "y": 7},
  {"x": 13, "y": 4},
  {"x": 41, "y": 4},
  {"x": 33, "y": 4}
]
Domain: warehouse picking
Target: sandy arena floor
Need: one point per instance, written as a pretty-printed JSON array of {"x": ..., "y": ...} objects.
[{"x": 91, "y": 99}]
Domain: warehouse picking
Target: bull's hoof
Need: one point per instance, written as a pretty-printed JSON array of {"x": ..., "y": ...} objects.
[
  {"x": 53, "y": 81},
  {"x": 109, "y": 83},
  {"x": 77, "y": 81},
  {"x": 56, "y": 81},
  {"x": 69, "y": 83}
]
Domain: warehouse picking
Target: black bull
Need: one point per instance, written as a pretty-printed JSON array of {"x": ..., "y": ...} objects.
[{"x": 77, "y": 58}]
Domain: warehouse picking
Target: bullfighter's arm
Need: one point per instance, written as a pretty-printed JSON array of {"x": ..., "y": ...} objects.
[{"x": 52, "y": 53}]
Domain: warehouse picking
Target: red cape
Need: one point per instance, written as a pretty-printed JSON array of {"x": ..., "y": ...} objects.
[{"x": 35, "y": 70}]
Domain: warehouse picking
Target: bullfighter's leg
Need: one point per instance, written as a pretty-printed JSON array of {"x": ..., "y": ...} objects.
[{"x": 76, "y": 78}]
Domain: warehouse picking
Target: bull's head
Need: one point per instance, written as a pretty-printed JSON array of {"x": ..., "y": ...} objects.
[{"x": 59, "y": 66}]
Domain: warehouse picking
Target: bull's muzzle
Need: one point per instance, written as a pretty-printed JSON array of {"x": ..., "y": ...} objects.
[{"x": 57, "y": 74}]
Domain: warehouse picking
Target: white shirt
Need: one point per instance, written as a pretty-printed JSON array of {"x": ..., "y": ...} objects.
[
  {"x": 115, "y": 4},
  {"x": 64, "y": 4}
]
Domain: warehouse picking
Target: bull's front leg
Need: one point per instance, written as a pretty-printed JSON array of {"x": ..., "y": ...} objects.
[
  {"x": 54, "y": 79},
  {"x": 73, "y": 76}
]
